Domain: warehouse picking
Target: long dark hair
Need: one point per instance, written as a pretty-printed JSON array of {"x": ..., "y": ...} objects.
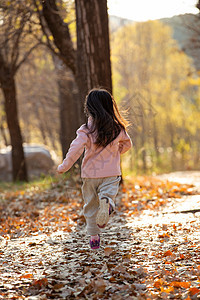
[{"x": 106, "y": 119}]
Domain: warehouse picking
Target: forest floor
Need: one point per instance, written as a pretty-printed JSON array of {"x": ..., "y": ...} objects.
[{"x": 150, "y": 249}]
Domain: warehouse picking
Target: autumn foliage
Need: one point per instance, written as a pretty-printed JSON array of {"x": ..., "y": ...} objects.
[{"x": 145, "y": 253}]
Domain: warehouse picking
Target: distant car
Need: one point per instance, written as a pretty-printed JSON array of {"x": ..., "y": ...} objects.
[{"x": 38, "y": 158}]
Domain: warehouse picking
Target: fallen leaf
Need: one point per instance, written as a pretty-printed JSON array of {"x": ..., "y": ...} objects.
[
  {"x": 40, "y": 283},
  {"x": 167, "y": 290},
  {"x": 180, "y": 284},
  {"x": 167, "y": 253},
  {"x": 158, "y": 283},
  {"x": 100, "y": 286},
  {"x": 193, "y": 291},
  {"x": 32, "y": 244},
  {"x": 107, "y": 251},
  {"x": 58, "y": 286},
  {"x": 26, "y": 276}
]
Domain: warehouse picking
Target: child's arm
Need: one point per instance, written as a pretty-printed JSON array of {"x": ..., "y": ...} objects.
[
  {"x": 75, "y": 151},
  {"x": 125, "y": 142}
]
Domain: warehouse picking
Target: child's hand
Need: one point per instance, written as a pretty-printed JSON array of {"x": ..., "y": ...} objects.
[{"x": 59, "y": 172}]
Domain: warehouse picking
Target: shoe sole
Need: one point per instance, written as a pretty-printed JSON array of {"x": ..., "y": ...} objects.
[
  {"x": 96, "y": 247},
  {"x": 103, "y": 213}
]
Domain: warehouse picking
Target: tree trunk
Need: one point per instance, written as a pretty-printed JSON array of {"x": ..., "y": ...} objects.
[
  {"x": 198, "y": 5},
  {"x": 70, "y": 108},
  {"x": 90, "y": 64},
  {"x": 143, "y": 139},
  {"x": 60, "y": 32},
  {"x": 171, "y": 132},
  {"x": 62, "y": 39},
  {"x": 18, "y": 158},
  {"x": 41, "y": 125},
  {"x": 155, "y": 138},
  {"x": 93, "y": 47},
  {"x": 3, "y": 133}
]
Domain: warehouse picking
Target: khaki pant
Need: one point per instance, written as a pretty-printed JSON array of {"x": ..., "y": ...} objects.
[{"x": 93, "y": 190}]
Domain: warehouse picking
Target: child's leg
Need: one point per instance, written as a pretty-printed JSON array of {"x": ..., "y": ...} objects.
[
  {"x": 107, "y": 192},
  {"x": 91, "y": 206}
]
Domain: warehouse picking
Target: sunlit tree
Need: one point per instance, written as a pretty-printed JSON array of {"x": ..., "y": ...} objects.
[{"x": 153, "y": 77}]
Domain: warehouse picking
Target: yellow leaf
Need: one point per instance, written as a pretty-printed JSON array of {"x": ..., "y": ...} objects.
[{"x": 167, "y": 290}]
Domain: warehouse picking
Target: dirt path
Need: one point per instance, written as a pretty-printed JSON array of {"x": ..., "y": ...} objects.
[
  {"x": 187, "y": 204},
  {"x": 189, "y": 177},
  {"x": 145, "y": 253}
]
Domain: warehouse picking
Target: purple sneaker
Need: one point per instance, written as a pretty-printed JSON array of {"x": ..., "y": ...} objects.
[{"x": 95, "y": 244}]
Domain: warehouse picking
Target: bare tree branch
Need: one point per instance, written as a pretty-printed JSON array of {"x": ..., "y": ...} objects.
[
  {"x": 25, "y": 57},
  {"x": 60, "y": 33}
]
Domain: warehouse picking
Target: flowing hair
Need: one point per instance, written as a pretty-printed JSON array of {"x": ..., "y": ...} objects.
[{"x": 107, "y": 121}]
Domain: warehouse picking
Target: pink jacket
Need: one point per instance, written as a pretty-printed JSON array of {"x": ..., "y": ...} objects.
[{"x": 97, "y": 162}]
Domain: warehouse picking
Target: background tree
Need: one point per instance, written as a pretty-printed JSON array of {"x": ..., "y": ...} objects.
[
  {"x": 155, "y": 79},
  {"x": 13, "y": 23},
  {"x": 69, "y": 104},
  {"x": 74, "y": 79},
  {"x": 89, "y": 67},
  {"x": 92, "y": 41},
  {"x": 38, "y": 99},
  {"x": 54, "y": 19}
]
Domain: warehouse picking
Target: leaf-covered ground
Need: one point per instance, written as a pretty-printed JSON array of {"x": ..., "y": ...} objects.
[{"x": 150, "y": 249}]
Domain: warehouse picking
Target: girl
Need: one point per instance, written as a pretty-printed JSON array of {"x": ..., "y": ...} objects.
[{"x": 104, "y": 138}]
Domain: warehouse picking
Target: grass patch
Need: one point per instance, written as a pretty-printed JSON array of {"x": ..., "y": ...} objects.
[{"x": 41, "y": 184}]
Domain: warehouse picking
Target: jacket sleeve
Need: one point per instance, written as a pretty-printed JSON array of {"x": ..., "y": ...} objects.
[
  {"x": 76, "y": 149},
  {"x": 125, "y": 142}
]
